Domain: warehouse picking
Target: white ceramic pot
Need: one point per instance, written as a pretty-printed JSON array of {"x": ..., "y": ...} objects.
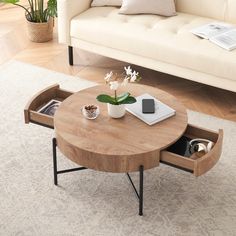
[{"x": 116, "y": 111}]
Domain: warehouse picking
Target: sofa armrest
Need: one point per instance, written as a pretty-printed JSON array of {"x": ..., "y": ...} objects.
[{"x": 67, "y": 9}]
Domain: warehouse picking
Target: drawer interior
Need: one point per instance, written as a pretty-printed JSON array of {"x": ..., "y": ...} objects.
[
  {"x": 194, "y": 164},
  {"x": 41, "y": 99}
]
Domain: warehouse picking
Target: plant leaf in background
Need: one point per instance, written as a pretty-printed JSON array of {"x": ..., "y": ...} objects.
[
  {"x": 36, "y": 11},
  {"x": 15, "y": 2},
  {"x": 10, "y": 1},
  {"x": 52, "y": 8}
]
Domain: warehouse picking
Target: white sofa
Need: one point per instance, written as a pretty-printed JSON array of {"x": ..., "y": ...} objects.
[{"x": 160, "y": 43}]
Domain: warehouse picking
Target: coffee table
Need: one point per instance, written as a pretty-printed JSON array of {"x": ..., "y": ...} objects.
[{"x": 114, "y": 145}]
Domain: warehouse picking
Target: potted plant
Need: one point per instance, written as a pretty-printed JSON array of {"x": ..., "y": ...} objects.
[
  {"x": 39, "y": 18},
  {"x": 116, "y": 103}
]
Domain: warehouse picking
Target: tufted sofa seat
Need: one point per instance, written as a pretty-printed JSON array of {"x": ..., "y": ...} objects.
[{"x": 160, "y": 43}]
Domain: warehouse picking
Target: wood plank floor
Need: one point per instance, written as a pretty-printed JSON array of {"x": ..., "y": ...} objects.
[{"x": 14, "y": 44}]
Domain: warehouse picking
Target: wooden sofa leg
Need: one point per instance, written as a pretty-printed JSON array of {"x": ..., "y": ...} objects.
[{"x": 70, "y": 51}]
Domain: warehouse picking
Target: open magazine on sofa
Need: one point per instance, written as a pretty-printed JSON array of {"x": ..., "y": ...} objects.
[{"x": 222, "y": 34}]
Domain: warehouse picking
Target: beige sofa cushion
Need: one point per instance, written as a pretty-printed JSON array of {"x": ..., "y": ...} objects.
[
  {"x": 164, "y": 39},
  {"x": 224, "y": 10},
  {"x": 99, "y": 3},
  {"x": 159, "y": 7}
]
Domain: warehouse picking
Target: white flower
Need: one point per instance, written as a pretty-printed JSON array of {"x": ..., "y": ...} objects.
[
  {"x": 125, "y": 81},
  {"x": 134, "y": 76},
  {"x": 114, "y": 85},
  {"x": 128, "y": 70},
  {"x": 108, "y": 76}
]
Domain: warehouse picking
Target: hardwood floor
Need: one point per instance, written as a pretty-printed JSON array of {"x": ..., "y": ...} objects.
[{"x": 14, "y": 44}]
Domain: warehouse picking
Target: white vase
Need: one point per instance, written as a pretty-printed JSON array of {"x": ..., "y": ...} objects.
[{"x": 116, "y": 111}]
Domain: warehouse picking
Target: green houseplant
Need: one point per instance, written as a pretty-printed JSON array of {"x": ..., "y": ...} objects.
[
  {"x": 39, "y": 16},
  {"x": 116, "y": 103}
]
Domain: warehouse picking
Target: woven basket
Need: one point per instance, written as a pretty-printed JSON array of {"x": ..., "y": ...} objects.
[{"x": 40, "y": 32}]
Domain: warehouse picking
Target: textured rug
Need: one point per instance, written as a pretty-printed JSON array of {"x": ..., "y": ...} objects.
[{"x": 95, "y": 203}]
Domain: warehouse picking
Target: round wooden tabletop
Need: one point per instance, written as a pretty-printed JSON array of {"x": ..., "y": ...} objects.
[{"x": 115, "y": 145}]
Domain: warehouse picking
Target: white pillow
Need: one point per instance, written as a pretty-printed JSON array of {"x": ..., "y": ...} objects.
[
  {"x": 159, "y": 7},
  {"x": 100, "y": 3}
]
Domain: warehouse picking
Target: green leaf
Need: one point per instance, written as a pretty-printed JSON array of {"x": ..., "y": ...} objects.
[
  {"x": 128, "y": 100},
  {"x": 122, "y": 97},
  {"x": 52, "y": 8},
  {"x": 36, "y": 11},
  {"x": 10, "y": 1},
  {"x": 106, "y": 99}
]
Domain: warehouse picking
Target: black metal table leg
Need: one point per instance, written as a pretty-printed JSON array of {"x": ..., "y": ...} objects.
[
  {"x": 141, "y": 190},
  {"x": 55, "y": 171},
  {"x": 54, "y": 151},
  {"x": 140, "y": 193}
]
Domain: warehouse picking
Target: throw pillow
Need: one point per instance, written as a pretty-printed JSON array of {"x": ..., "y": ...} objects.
[
  {"x": 159, "y": 7},
  {"x": 100, "y": 3}
]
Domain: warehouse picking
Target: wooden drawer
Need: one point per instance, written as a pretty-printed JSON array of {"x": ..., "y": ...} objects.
[
  {"x": 202, "y": 164},
  {"x": 39, "y": 100}
]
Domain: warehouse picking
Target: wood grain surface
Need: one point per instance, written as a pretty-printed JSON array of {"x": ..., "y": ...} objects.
[{"x": 115, "y": 145}]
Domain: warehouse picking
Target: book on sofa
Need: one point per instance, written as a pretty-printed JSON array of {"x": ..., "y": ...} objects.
[
  {"x": 222, "y": 34},
  {"x": 162, "y": 111}
]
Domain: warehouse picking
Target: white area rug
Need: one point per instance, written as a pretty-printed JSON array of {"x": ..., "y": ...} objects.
[{"x": 95, "y": 203}]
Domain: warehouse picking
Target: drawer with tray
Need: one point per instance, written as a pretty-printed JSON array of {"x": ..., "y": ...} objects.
[
  {"x": 32, "y": 112},
  {"x": 194, "y": 164}
]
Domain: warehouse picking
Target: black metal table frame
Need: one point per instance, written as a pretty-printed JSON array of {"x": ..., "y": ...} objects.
[{"x": 139, "y": 193}]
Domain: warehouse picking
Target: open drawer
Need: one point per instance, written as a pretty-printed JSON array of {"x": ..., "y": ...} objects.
[
  {"x": 200, "y": 165},
  {"x": 39, "y": 100}
]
